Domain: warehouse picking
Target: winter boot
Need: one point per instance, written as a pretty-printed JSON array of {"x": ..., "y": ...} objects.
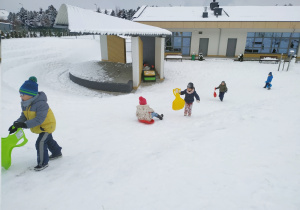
[
  {"x": 160, "y": 116},
  {"x": 39, "y": 168},
  {"x": 53, "y": 157}
]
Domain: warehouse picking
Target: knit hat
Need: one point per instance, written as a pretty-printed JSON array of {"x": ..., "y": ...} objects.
[
  {"x": 190, "y": 85},
  {"x": 30, "y": 87},
  {"x": 270, "y": 73},
  {"x": 143, "y": 101}
]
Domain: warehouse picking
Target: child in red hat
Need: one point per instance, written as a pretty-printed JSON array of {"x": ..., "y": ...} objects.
[{"x": 144, "y": 112}]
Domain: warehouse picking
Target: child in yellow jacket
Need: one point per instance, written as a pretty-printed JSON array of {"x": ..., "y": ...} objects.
[{"x": 37, "y": 115}]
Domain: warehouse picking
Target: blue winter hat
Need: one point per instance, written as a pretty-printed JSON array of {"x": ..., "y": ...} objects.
[
  {"x": 30, "y": 87},
  {"x": 270, "y": 73}
]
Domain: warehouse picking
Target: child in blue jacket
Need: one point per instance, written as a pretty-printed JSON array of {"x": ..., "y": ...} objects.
[
  {"x": 189, "y": 93},
  {"x": 269, "y": 80}
]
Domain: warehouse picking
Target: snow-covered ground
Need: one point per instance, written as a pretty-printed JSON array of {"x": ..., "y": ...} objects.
[{"x": 242, "y": 153}]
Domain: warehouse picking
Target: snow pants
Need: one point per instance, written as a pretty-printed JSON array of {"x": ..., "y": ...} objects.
[
  {"x": 44, "y": 142},
  {"x": 188, "y": 109},
  {"x": 154, "y": 114},
  {"x": 221, "y": 95}
]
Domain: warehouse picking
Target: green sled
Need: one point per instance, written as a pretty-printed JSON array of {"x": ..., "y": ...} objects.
[{"x": 7, "y": 145}]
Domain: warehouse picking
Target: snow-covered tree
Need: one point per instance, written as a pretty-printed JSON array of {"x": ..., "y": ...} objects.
[
  {"x": 22, "y": 16},
  {"x": 113, "y": 13},
  {"x": 51, "y": 13}
]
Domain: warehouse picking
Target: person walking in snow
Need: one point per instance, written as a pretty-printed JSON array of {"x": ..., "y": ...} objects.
[
  {"x": 37, "y": 115},
  {"x": 269, "y": 80},
  {"x": 222, "y": 90},
  {"x": 189, "y": 93},
  {"x": 144, "y": 112}
]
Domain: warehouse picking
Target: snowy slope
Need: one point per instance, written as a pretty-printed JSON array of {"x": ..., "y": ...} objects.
[{"x": 242, "y": 153}]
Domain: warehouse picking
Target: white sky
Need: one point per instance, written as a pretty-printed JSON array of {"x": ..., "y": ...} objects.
[{"x": 15, "y": 5}]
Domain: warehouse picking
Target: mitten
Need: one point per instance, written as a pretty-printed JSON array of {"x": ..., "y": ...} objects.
[
  {"x": 20, "y": 124},
  {"x": 12, "y": 129},
  {"x": 198, "y": 101}
]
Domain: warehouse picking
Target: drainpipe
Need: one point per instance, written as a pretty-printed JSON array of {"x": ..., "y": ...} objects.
[{"x": 219, "y": 41}]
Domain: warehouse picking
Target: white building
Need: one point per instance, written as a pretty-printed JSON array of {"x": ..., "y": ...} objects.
[{"x": 227, "y": 31}]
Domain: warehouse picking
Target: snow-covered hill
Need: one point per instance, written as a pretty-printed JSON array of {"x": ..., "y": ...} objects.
[{"x": 242, "y": 153}]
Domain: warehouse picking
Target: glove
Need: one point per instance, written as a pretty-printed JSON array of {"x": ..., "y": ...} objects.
[
  {"x": 20, "y": 124},
  {"x": 198, "y": 101},
  {"x": 12, "y": 129}
]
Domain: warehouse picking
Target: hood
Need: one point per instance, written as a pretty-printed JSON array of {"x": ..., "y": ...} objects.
[{"x": 41, "y": 96}]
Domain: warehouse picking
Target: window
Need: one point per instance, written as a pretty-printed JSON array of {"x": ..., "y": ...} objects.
[
  {"x": 179, "y": 42},
  {"x": 269, "y": 42}
]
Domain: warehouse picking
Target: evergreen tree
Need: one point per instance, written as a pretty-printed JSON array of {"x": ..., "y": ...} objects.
[
  {"x": 24, "y": 34},
  {"x": 130, "y": 14},
  {"x": 98, "y": 10},
  {"x": 16, "y": 34},
  {"x": 113, "y": 13},
  {"x": 7, "y": 35},
  {"x": 30, "y": 19},
  {"x": 51, "y": 14},
  {"x": 22, "y": 16},
  {"x": 105, "y": 12}
]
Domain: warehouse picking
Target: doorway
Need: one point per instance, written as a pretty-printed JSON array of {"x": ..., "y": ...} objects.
[
  {"x": 231, "y": 47},
  {"x": 203, "y": 46}
]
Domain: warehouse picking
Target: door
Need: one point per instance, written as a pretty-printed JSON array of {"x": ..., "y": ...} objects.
[
  {"x": 231, "y": 47},
  {"x": 203, "y": 46},
  {"x": 186, "y": 43}
]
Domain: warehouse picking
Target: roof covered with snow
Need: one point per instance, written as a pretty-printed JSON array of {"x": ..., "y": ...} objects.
[
  {"x": 87, "y": 21},
  {"x": 235, "y": 13},
  {"x": 3, "y": 14}
]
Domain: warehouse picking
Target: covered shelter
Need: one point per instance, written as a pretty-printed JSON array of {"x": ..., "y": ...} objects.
[{"x": 113, "y": 47}]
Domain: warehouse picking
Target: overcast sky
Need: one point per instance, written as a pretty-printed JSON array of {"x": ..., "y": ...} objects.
[{"x": 15, "y": 5}]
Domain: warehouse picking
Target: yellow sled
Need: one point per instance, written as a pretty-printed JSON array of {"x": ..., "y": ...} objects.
[
  {"x": 178, "y": 103},
  {"x": 7, "y": 145}
]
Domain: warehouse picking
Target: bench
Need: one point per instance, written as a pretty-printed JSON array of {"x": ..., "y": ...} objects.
[
  {"x": 175, "y": 56},
  {"x": 268, "y": 58}
]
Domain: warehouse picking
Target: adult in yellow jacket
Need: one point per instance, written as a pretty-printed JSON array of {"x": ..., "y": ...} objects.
[{"x": 37, "y": 115}]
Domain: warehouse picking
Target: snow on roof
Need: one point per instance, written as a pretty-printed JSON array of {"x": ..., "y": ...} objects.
[
  {"x": 235, "y": 13},
  {"x": 3, "y": 14},
  {"x": 87, "y": 21}
]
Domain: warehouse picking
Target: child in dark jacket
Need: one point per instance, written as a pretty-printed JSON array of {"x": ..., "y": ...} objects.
[
  {"x": 223, "y": 89},
  {"x": 37, "y": 115},
  {"x": 269, "y": 80},
  {"x": 189, "y": 93}
]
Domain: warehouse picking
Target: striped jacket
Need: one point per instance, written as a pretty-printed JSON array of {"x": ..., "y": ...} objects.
[{"x": 37, "y": 114}]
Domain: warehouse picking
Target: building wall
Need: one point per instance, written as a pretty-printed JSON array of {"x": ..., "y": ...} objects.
[
  {"x": 103, "y": 47},
  {"x": 219, "y": 33},
  {"x": 137, "y": 60},
  {"x": 116, "y": 48},
  {"x": 5, "y": 27}
]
